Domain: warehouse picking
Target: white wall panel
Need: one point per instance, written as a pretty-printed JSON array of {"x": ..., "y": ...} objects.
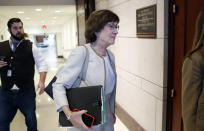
[
  {"x": 114, "y": 3},
  {"x": 154, "y": 90},
  {"x": 142, "y": 57},
  {"x": 128, "y": 76},
  {"x": 161, "y": 115},
  {"x": 120, "y": 50},
  {"x": 139, "y": 104}
]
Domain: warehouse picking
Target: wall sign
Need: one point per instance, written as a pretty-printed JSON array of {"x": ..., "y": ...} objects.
[{"x": 146, "y": 22}]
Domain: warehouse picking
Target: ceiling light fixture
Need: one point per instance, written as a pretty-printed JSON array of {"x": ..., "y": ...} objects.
[
  {"x": 58, "y": 11},
  {"x": 20, "y": 12},
  {"x": 38, "y": 9},
  {"x": 27, "y": 18}
]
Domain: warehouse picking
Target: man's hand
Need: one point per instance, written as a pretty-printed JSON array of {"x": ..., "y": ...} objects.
[
  {"x": 41, "y": 87},
  {"x": 3, "y": 63},
  {"x": 41, "y": 84}
]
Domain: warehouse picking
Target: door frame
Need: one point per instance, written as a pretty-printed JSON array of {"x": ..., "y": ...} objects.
[
  {"x": 176, "y": 53},
  {"x": 170, "y": 68}
]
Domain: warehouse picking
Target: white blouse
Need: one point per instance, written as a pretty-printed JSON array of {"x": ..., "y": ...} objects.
[{"x": 110, "y": 76}]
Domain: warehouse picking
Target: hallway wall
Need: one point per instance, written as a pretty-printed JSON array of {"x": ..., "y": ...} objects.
[
  {"x": 141, "y": 63},
  {"x": 65, "y": 35},
  {"x": 69, "y": 36},
  {"x": 3, "y": 29}
]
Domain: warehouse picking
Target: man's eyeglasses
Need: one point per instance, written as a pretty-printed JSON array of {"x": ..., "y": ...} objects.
[{"x": 113, "y": 27}]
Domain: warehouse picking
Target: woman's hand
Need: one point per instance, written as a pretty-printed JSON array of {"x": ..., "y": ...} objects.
[
  {"x": 75, "y": 117},
  {"x": 76, "y": 120}
]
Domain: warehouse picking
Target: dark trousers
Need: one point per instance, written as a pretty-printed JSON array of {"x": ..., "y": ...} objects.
[{"x": 10, "y": 102}]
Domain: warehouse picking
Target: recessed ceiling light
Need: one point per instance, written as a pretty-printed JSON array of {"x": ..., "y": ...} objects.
[
  {"x": 38, "y": 9},
  {"x": 20, "y": 12},
  {"x": 54, "y": 17},
  {"x": 27, "y": 18},
  {"x": 58, "y": 11}
]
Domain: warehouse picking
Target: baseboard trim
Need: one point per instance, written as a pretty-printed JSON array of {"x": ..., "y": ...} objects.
[{"x": 127, "y": 120}]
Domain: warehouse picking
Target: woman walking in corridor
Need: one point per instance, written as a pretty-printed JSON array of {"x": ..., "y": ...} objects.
[{"x": 101, "y": 30}]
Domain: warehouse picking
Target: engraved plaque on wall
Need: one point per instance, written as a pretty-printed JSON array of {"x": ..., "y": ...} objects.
[{"x": 146, "y": 22}]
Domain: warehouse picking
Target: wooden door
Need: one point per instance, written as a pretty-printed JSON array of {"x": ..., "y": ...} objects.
[{"x": 182, "y": 17}]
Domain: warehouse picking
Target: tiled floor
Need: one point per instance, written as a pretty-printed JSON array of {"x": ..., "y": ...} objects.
[{"x": 47, "y": 116}]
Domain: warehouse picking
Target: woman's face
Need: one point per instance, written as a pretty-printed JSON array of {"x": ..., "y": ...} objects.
[{"x": 108, "y": 34}]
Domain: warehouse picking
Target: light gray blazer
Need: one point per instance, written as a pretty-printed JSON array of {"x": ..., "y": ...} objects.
[{"x": 95, "y": 74}]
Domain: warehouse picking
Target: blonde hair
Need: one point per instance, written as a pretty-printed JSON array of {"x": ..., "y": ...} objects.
[{"x": 199, "y": 33}]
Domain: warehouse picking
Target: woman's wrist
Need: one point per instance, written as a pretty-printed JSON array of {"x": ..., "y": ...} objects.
[
  {"x": 69, "y": 116},
  {"x": 67, "y": 112}
]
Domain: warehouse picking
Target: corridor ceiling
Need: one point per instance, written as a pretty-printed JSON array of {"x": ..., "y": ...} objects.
[{"x": 39, "y": 15}]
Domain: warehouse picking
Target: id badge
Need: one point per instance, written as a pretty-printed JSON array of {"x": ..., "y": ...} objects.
[{"x": 9, "y": 73}]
